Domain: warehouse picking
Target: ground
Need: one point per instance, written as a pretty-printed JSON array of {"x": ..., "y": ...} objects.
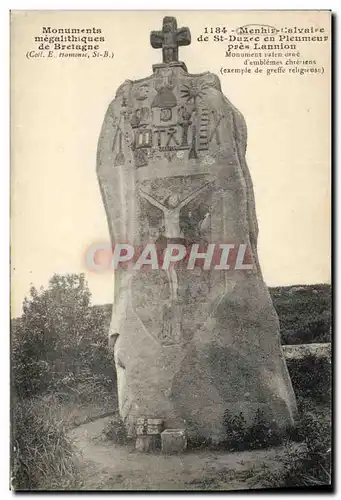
[{"x": 108, "y": 466}]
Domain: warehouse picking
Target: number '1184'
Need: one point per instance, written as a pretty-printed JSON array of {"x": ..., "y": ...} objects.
[{"x": 217, "y": 29}]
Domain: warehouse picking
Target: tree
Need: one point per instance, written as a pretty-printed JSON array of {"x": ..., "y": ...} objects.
[{"x": 59, "y": 341}]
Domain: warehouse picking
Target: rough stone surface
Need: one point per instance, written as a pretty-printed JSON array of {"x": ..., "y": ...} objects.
[
  {"x": 189, "y": 344},
  {"x": 173, "y": 441}
]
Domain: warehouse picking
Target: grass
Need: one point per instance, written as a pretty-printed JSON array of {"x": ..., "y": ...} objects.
[
  {"x": 311, "y": 378},
  {"x": 43, "y": 458},
  {"x": 74, "y": 413}
]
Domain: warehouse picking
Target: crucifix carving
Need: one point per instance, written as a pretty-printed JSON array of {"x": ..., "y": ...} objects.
[
  {"x": 171, "y": 211},
  {"x": 169, "y": 39}
]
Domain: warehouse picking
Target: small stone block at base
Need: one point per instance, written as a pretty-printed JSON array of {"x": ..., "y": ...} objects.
[
  {"x": 144, "y": 443},
  {"x": 173, "y": 441}
]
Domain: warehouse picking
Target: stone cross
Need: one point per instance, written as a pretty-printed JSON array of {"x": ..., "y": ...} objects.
[{"x": 169, "y": 39}]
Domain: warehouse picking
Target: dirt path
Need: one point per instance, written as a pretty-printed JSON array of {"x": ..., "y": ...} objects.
[{"x": 111, "y": 467}]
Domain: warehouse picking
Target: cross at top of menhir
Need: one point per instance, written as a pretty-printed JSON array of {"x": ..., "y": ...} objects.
[{"x": 169, "y": 39}]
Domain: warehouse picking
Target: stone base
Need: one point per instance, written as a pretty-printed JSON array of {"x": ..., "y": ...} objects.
[
  {"x": 173, "y": 64},
  {"x": 173, "y": 441},
  {"x": 144, "y": 443},
  {"x": 147, "y": 444}
]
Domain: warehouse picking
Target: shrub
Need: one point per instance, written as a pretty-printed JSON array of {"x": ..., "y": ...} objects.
[
  {"x": 240, "y": 436},
  {"x": 116, "y": 431},
  {"x": 235, "y": 428},
  {"x": 304, "y": 313},
  {"x": 311, "y": 378},
  {"x": 307, "y": 463},
  {"x": 195, "y": 441},
  {"x": 42, "y": 455},
  {"x": 59, "y": 343}
]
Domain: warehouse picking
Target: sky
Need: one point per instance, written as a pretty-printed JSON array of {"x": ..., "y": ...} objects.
[{"x": 57, "y": 109}]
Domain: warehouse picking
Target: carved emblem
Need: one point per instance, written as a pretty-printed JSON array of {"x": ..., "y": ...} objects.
[
  {"x": 164, "y": 78},
  {"x": 144, "y": 114},
  {"x": 194, "y": 91},
  {"x": 140, "y": 116},
  {"x": 165, "y": 114},
  {"x": 143, "y": 138},
  {"x": 169, "y": 155},
  {"x": 135, "y": 118},
  {"x": 141, "y": 92},
  {"x": 118, "y": 140},
  {"x": 140, "y": 157},
  {"x": 164, "y": 99},
  {"x": 119, "y": 158},
  {"x": 217, "y": 117},
  {"x": 208, "y": 160},
  {"x": 157, "y": 135},
  {"x": 185, "y": 122},
  {"x": 123, "y": 93},
  {"x": 212, "y": 80},
  {"x": 171, "y": 132},
  {"x": 171, "y": 332},
  {"x": 203, "y": 132}
]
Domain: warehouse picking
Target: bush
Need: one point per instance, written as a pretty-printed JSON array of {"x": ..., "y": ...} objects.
[
  {"x": 116, "y": 431},
  {"x": 59, "y": 343},
  {"x": 311, "y": 377},
  {"x": 308, "y": 463},
  {"x": 42, "y": 454},
  {"x": 240, "y": 436},
  {"x": 304, "y": 313}
]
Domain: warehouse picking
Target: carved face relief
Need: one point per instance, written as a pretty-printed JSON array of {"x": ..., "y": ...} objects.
[
  {"x": 173, "y": 201},
  {"x": 141, "y": 93},
  {"x": 167, "y": 27}
]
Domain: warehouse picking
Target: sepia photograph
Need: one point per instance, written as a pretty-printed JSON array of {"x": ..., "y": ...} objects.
[{"x": 171, "y": 302}]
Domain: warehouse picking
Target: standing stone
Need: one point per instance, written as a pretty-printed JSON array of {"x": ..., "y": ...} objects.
[{"x": 189, "y": 344}]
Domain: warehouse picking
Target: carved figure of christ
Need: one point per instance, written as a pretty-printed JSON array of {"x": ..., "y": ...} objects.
[
  {"x": 171, "y": 216},
  {"x": 171, "y": 213}
]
